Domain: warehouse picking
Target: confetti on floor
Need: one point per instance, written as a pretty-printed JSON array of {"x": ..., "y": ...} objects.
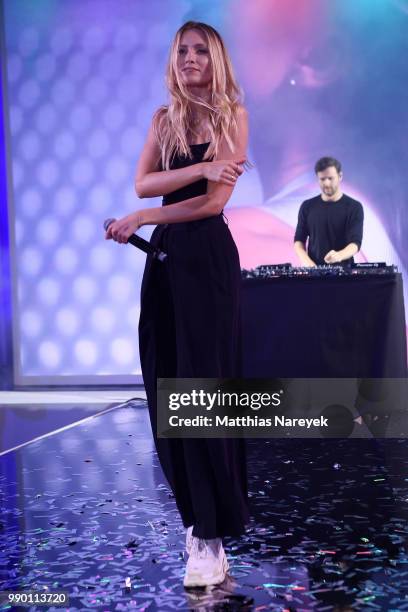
[{"x": 88, "y": 511}]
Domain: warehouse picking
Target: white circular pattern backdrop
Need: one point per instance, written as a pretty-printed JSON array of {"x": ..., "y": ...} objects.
[{"x": 81, "y": 93}]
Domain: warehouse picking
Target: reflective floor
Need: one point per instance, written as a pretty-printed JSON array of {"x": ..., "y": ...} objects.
[{"x": 87, "y": 510}]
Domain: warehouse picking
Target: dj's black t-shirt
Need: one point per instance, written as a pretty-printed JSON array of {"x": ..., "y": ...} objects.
[{"x": 329, "y": 225}]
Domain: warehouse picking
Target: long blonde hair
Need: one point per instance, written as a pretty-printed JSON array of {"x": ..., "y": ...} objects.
[{"x": 173, "y": 123}]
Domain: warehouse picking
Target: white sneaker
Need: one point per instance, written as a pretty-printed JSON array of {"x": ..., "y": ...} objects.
[
  {"x": 207, "y": 564},
  {"x": 189, "y": 539}
]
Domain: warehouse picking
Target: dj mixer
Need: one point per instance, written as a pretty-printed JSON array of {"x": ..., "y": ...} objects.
[{"x": 286, "y": 270}]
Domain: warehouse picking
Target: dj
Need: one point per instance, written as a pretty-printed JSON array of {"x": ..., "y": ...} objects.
[{"x": 332, "y": 222}]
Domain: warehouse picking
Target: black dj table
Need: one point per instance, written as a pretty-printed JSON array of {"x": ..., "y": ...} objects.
[{"x": 343, "y": 326}]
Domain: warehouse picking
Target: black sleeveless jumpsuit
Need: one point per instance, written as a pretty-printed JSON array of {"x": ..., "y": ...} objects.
[{"x": 189, "y": 328}]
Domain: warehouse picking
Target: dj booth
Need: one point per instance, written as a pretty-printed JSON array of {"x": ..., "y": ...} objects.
[{"x": 323, "y": 322}]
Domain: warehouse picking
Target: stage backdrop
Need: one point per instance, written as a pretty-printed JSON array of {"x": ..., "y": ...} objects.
[{"x": 82, "y": 82}]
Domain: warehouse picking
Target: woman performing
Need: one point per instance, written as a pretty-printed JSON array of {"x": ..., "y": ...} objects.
[{"x": 190, "y": 304}]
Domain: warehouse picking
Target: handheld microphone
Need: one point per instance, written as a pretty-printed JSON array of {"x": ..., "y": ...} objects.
[{"x": 140, "y": 243}]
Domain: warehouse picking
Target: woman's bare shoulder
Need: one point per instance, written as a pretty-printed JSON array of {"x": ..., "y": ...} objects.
[
  {"x": 242, "y": 112},
  {"x": 160, "y": 113}
]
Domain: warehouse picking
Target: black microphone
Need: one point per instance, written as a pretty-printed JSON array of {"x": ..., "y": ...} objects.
[{"x": 140, "y": 243}]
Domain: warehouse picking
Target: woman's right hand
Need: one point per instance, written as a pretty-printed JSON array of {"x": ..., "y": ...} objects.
[{"x": 224, "y": 171}]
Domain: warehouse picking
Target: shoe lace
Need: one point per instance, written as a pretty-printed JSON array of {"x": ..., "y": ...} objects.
[
  {"x": 202, "y": 548},
  {"x": 199, "y": 548}
]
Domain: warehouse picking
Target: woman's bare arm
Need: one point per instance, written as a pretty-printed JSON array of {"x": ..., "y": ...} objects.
[
  {"x": 200, "y": 207},
  {"x": 217, "y": 196},
  {"x": 151, "y": 182}
]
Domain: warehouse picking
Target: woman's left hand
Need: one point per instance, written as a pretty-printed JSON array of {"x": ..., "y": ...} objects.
[{"x": 122, "y": 229}]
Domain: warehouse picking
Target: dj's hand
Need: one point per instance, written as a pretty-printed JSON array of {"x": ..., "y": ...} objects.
[
  {"x": 121, "y": 229},
  {"x": 332, "y": 257}
]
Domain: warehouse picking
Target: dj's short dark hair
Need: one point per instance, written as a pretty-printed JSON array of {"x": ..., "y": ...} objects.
[{"x": 327, "y": 162}]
